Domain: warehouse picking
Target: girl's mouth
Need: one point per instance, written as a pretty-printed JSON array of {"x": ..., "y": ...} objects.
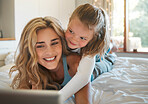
[{"x": 72, "y": 43}]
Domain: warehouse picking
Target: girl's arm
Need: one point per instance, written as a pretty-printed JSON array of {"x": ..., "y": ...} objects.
[
  {"x": 83, "y": 96},
  {"x": 80, "y": 79}
]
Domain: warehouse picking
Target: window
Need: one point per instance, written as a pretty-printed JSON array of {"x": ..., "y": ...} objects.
[
  {"x": 129, "y": 23},
  {"x": 138, "y": 25},
  {"x": 117, "y": 24}
]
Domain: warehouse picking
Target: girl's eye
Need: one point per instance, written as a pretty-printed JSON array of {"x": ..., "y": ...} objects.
[
  {"x": 39, "y": 46},
  {"x": 54, "y": 43},
  {"x": 82, "y": 38},
  {"x": 71, "y": 31}
]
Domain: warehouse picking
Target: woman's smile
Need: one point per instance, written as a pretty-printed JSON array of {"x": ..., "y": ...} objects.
[{"x": 50, "y": 58}]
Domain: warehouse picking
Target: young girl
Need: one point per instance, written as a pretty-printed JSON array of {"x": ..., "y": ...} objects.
[
  {"x": 42, "y": 61},
  {"x": 88, "y": 35}
]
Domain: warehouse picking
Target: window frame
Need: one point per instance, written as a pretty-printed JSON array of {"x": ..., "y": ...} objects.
[{"x": 126, "y": 28}]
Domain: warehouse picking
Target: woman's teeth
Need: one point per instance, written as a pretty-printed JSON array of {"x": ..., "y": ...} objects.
[{"x": 49, "y": 59}]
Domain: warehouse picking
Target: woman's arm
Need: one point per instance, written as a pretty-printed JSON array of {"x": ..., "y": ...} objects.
[
  {"x": 83, "y": 96},
  {"x": 80, "y": 79}
]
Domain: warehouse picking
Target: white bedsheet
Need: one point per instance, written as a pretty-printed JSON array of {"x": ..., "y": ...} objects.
[
  {"x": 127, "y": 83},
  {"x": 5, "y": 80}
]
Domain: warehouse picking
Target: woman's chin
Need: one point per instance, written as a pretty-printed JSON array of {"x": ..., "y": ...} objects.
[{"x": 52, "y": 68}]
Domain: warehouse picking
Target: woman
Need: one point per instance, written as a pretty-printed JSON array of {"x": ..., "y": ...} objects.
[{"x": 43, "y": 61}]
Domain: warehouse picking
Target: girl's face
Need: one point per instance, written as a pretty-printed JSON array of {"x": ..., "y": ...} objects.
[
  {"x": 77, "y": 35},
  {"x": 48, "y": 48}
]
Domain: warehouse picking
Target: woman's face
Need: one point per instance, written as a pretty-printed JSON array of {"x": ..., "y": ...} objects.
[{"x": 48, "y": 48}]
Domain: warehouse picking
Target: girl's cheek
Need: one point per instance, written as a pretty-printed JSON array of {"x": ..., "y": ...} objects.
[
  {"x": 83, "y": 44},
  {"x": 67, "y": 35}
]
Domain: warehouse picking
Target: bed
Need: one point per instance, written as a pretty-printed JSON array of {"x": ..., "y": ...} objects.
[{"x": 127, "y": 83}]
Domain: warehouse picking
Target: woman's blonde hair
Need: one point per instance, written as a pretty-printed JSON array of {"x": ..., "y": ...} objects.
[
  {"x": 26, "y": 62},
  {"x": 95, "y": 19}
]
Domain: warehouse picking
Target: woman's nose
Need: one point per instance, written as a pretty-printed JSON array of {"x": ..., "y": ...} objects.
[{"x": 49, "y": 50}]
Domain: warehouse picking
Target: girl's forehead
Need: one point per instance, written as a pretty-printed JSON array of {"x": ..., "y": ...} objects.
[{"x": 79, "y": 28}]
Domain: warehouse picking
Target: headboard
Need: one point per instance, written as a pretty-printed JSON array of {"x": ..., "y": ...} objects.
[
  {"x": 6, "y": 58},
  {"x": 2, "y": 58}
]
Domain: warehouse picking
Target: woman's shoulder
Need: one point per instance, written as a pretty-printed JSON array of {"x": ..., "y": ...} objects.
[{"x": 73, "y": 60}]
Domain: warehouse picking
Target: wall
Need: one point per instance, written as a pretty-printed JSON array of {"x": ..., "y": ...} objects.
[
  {"x": 66, "y": 8},
  {"x": 80, "y": 2},
  {"x": 7, "y": 18},
  {"x": 0, "y": 14},
  {"x": 7, "y": 25},
  {"x": 25, "y": 10}
]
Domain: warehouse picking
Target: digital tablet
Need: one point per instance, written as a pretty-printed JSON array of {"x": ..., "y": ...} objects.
[{"x": 9, "y": 96}]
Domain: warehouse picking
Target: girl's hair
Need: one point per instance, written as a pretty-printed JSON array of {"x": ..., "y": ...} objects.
[
  {"x": 27, "y": 63},
  {"x": 95, "y": 19}
]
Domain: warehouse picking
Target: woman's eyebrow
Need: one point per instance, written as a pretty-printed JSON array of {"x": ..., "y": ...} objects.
[
  {"x": 39, "y": 42},
  {"x": 44, "y": 42},
  {"x": 55, "y": 39}
]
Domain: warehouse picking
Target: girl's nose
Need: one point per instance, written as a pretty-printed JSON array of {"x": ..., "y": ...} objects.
[{"x": 75, "y": 38}]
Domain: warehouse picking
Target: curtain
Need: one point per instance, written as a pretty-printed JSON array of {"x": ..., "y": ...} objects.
[{"x": 108, "y": 6}]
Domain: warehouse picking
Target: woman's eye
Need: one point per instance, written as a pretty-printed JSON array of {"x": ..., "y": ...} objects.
[
  {"x": 82, "y": 38},
  {"x": 71, "y": 31},
  {"x": 39, "y": 46},
  {"x": 54, "y": 43}
]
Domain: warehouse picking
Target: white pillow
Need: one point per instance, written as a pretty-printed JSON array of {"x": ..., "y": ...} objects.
[{"x": 9, "y": 58}]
